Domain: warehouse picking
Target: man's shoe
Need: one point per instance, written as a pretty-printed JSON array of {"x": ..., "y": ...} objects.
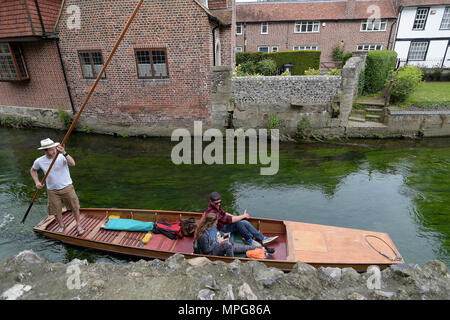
[
  {"x": 251, "y": 242},
  {"x": 268, "y": 240},
  {"x": 270, "y": 250}
]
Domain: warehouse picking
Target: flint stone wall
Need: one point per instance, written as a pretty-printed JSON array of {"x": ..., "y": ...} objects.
[{"x": 291, "y": 98}]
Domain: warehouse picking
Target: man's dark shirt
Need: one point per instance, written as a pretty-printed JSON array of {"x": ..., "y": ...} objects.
[{"x": 223, "y": 218}]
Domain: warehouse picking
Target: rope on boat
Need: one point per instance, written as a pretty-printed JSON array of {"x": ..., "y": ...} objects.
[{"x": 398, "y": 257}]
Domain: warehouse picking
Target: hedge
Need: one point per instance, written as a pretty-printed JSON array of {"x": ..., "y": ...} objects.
[
  {"x": 301, "y": 60},
  {"x": 379, "y": 66}
]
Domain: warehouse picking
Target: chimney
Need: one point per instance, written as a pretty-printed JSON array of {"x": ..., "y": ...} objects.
[
  {"x": 217, "y": 4},
  {"x": 350, "y": 8}
]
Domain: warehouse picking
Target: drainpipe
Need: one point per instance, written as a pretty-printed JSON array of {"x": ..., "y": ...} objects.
[
  {"x": 214, "y": 45},
  {"x": 61, "y": 61}
]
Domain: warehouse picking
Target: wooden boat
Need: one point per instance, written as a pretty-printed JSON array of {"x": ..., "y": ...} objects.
[{"x": 317, "y": 245}]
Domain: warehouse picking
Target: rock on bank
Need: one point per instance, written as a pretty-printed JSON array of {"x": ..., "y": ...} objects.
[{"x": 28, "y": 276}]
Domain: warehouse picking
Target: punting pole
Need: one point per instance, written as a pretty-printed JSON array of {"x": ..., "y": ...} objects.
[{"x": 85, "y": 103}]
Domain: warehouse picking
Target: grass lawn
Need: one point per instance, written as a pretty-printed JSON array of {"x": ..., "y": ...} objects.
[{"x": 429, "y": 95}]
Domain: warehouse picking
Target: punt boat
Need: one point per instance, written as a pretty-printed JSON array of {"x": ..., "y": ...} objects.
[{"x": 317, "y": 245}]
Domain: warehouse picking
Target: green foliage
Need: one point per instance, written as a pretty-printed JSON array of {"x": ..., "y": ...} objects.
[
  {"x": 64, "y": 117},
  {"x": 312, "y": 72},
  {"x": 266, "y": 67},
  {"x": 301, "y": 60},
  {"x": 274, "y": 122},
  {"x": 379, "y": 66},
  {"x": 405, "y": 82},
  {"x": 337, "y": 54},
  {"x": 346, "y": 56},
  {"x": 333, "y": 72},
  {"x": 304, "y": 128},
  {"x": 85, "y": 129},
  {"x": 286, "y": 73},
  {"x": 12, "y": 122},
  {"x": 361, "y": 82}
]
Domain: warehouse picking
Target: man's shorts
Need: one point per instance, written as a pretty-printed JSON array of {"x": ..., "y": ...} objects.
[{"x": 67, "y": 196}]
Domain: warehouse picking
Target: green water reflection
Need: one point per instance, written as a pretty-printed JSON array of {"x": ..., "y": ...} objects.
[{"x": 399, "y": 187}]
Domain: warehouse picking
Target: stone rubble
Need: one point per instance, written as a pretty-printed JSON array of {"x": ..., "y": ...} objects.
[{"x": 28, "y": 276}]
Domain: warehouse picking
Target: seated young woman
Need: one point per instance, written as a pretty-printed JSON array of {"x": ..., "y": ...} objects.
[{"x": 208, "y": 241}]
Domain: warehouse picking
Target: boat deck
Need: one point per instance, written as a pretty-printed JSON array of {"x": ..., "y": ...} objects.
[{"x": 94, "y": 231}]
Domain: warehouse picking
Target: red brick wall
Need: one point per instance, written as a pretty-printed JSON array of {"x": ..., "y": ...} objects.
[
  {"x": 282, "y": 34},
  {"x": 180, "y": 26},
  {"x": 46, "y": 87},
  {"x": 217, "y": 4}
]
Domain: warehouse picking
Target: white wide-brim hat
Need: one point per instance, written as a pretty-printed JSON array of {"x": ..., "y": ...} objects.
[{"x": 47, "y": 144}]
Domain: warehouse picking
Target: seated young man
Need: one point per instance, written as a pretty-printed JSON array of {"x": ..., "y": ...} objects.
[{"x": 228, "y": 223}]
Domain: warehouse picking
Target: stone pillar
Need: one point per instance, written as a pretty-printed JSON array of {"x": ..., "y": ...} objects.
[
  {"x": 349, "y": 85},
  {"x": 221, "y": 96}
]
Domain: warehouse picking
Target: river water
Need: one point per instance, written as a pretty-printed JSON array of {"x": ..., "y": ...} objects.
[{"x": 400, "y": 187}]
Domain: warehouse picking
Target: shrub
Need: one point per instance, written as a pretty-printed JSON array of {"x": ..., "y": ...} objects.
[
  {"x": 312, "y": 72},
  {"x": 379, "y": 66},
  {"x": 286, "y": 73},
  {"x": 13, "y": 122},
  {"x": 333, "y": 72},
  {"x": 247, "y": 68},
  {"x": 346, "y": 56},
  {"x": 266, "y": 67},
  {"x": 405, "y": 82},
  {"x": 337, "y": 54},
  {"x": 301, "y": 60}
]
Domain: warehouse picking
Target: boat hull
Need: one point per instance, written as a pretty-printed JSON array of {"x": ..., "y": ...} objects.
[{"x": 317, "y": 245}]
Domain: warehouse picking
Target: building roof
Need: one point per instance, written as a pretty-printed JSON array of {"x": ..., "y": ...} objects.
[
  {"x": 20, "y": 18},
  {"x": 415, "y": 3},
  {"x": 223, "y": 17},
  {"x": 312, "y": 10}
]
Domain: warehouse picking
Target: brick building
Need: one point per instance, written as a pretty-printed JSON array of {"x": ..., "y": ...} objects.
[
  {"x": 315, "y": 25},
  {"x": 160, "y": 76},
  {"x": 31, "y": 73}
]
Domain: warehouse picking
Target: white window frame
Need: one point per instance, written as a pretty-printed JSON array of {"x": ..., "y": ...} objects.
[
  {"x": 305, "y": 47},
  {"x": 299, "y": 24},
  {"x": 240, "y": 27},
  {"x": 445, "y": 22},
  {"x": 369, "y": 47},
  {"x": 274, "y": 47},
  {"x": 264, "y": 24},
  {"x": 373, "y": 25},
  {"x": 421, "y": 18},
  {"x": 268, "y": 48},
  {"x": 238, "y": 49},
  {"x": 425, "y": 51}
]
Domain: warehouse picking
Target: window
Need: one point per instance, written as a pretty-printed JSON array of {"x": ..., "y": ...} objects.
[
  {"x": 238, "y": 49},
  {"x": 306, "y": 26},
  {"x": 418, "y": 50},
  {"x": 239, "y": 28},
  {"x": 274, "y": 49},
  {"x": 305, "y": 47},
  {"x": 91, "y": 64},
  {"x": 445, "y": 23},
  {"x": 263, "y": 49},
  {"x": 12, "y": 65},
  {"x": 421, "y": 19},
  {"x": 151, "y": 63},
  {"x": 369, "y": 47},
  {"x": 374, "y": 25},
  {"x": 264, "y": 28}
]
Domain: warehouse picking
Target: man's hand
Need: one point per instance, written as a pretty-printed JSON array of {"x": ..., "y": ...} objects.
[
  {"x": 246, "y": 215},
  {"x": 39, "y": 186},
  {"x": 61, "y": 149}
]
